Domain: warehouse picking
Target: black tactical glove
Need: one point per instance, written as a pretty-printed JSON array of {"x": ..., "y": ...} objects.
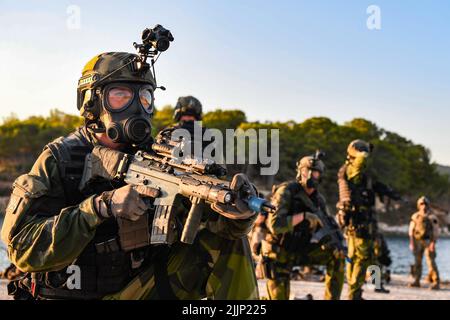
[
  {"x": 126, "y": 202},
  {"x": 242, "y": 189}
]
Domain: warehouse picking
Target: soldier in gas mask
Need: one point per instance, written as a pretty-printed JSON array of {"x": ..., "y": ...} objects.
[
  {"x": 53, "y": 228},
  {"x": 290, "y": 229}
]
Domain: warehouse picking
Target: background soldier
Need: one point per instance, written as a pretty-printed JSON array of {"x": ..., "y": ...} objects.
[
  {"x": 291, "y": 227},
  {"x": 356, "y": 214},
  {"x": 50, "y": 223},
  {"x": 187, "y": 112},
  {"x": 423, "y": 234}
]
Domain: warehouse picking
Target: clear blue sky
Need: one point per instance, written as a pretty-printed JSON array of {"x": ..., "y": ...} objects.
[{"x": 276, "y": 60}]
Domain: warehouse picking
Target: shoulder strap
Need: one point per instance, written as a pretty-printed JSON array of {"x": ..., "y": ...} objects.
[
  {"x": 70, "y": 153},
  {"x": 296, "y": 188}
]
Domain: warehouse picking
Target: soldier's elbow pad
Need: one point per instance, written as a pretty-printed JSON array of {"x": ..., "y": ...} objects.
[{"x": 26, "y": 189}]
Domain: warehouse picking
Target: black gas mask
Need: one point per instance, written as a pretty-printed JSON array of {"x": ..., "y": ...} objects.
[
  {"x": 311, "y": 181},
  {"x": 126, "y": 112},
  {"x": 312, "y": 164}
]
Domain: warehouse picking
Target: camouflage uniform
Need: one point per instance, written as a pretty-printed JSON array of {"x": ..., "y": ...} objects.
[
  {"x": 382, "y": 256},
  {"x": 356, "y": 214},
  {"x": 51, "y": 221},
  {"x": 286, "y": 246},
  {"x": 45, "y": 233},
  {"x": 225, "y": 265},
  {"x": 423, "y": 230}
]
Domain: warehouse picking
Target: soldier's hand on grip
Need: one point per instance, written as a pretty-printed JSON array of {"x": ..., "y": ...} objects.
[
  {"x": 242, "y": 189},
  {"x": 126, "y": 202}
]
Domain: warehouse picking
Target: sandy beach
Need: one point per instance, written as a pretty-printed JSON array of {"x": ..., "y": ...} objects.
[{"x": 398, "y": 288}]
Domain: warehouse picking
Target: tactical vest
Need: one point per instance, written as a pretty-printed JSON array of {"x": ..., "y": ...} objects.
[
  {"x": 105, "y": 267},
  {"x": 360, "y": 197},
  {"x": 423, "y": 227},
  {"x": 300, "y": 202}
]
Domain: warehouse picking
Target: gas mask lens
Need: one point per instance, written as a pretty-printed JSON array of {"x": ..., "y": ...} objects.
[
  {"x": 146, "y": 98},
  {"x": 119, "y": 97}
]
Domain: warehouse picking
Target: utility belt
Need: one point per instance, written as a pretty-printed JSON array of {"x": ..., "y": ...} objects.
[
  {"x": 294, "y": 242},
  {"x": 103, "y": 268},
  {"x": 271, "y": 269},
  {"x": 359, "y": 222}
]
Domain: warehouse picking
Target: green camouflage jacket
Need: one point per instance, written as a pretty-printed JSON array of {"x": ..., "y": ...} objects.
[{"x": 43, "y": 234}]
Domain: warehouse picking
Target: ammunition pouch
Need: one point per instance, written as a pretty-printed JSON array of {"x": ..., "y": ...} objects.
[
  {"x": 104, "y": 269},
  {"x": 134, "y": 234},
  {"x": 360, "y": 231},
  {"x": 118, "y": 251},
  {"x": 27, "y": 189},
  {"x": 296, "y": 241}
]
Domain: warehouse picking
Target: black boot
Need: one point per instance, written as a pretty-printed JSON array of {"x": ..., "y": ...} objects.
[{"x": 382, "y": 289}]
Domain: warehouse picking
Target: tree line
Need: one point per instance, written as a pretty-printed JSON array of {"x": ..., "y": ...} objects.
[{"x": 396, "y": 160}]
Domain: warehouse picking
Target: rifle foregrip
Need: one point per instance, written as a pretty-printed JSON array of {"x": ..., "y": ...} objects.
[{"x": 193, "y": 221}]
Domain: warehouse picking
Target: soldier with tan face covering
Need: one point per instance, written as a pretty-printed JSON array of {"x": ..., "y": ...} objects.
[
  {"x": 423, "y": 234},
  {"x": 356, "y": 212}
]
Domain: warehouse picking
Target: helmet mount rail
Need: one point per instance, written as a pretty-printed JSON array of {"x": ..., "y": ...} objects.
[
  {"x": 318, "y": 156},
  {"x": 109, "y": 67},
  {"x": 154, "y": 42}
]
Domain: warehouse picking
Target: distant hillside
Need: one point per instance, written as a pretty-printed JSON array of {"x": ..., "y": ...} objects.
[
  {"x": 396, "y": 161},
  {"x": 444, "y": 170}
]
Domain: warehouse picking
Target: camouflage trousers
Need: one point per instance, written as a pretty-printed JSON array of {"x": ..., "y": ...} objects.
[
  {"x": 361, "y": 253},
  {"x": 382, "y": 257},
  {"x": 212, "y": 267},
  {"x": 421, "y": 248},
  {"x": 279, "y": 287}
]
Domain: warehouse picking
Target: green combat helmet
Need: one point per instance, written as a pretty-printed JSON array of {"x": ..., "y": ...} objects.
[
  {"x": 106, "y": 68},
  {"x": 188, "y": 105},
  {"x": 359, "y": 147},
  {"x": 115, "y": 91},
  {"x": 312, "y": 163}
]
